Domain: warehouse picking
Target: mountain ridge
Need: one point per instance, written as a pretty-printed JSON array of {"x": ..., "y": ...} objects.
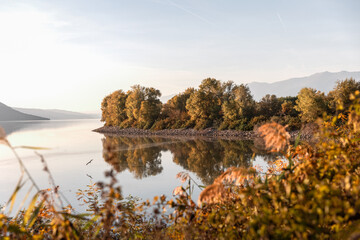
[
  {"x": 9, "y": 114},
  {"x": 323, "y": 81},
  {"x": 56, "y": 114}
]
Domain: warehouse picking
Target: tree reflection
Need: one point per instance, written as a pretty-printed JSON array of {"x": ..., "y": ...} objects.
[
  {"x": 141, "y": 156},
  {"x": 205, "y": 157},
  {"x": 209, "y": 158}
]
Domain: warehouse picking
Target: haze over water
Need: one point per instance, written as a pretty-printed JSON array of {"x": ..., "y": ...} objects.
[{"x": 146, "y": 166}]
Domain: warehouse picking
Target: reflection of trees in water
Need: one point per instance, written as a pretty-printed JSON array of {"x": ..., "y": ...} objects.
[
  {"x": 198, "y": 156},
  {"x": 237, "y": 153},
  {"x": 207, "y": 158},
  {"x": 140, "y": 155}
]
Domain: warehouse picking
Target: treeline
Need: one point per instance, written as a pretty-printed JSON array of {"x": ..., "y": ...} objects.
[{"x": 221, "y": 105}]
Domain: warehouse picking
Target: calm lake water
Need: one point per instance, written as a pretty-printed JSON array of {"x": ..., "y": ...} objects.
[{"x": 146, "y": 166}]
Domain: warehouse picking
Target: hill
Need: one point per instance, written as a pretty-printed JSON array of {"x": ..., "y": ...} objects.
[
  {"x": 9, "y": 114},
  {"x": 324, "y": 82},
  {"x": 56, "y": 114}
]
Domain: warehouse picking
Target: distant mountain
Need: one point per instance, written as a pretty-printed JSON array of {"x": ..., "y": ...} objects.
[
  {"x": 55, "y": 114},
  {"x": 324, "y": 82},
  {"x": 9, "y": 114}
]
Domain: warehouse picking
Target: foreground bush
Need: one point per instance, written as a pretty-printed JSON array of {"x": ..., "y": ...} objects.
[{"x": 312, "y": 192}]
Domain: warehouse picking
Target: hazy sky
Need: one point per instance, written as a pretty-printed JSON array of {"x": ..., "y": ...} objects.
[{"x": 69, "y": 54}]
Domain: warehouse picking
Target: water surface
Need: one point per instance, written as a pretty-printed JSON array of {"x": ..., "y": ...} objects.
[{"x": 146, "y": 166}]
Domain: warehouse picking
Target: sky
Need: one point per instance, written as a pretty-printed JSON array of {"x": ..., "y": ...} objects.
[{"x": 69, "y": 54}]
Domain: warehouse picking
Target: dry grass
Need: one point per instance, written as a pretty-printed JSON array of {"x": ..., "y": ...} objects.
[
  {"x": 233, "y": 176},
  {"x": 179, "y": 191},
  {"x": 214, "y": 193},
  {"x": 220, "y": 190},
  {"x": 183, "y": 176},
  {"x": 276, "y": 137}
]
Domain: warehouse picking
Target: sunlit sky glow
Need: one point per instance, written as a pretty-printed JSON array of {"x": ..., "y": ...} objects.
[{"x": 69, "y": 54}]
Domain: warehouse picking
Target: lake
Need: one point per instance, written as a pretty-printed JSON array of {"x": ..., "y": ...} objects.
[{"x": 145, "y": 166}]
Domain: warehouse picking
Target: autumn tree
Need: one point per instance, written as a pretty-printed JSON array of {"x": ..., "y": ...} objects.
[
  {"x": 339, "y": 97},
  {"x": 133, "y": 104},
  {"x": 311, "y": 104},
  {"x": 238, "y": 104},
  {"x": 204, "y": 105},
  {"x": 288, "y": 106},
  {"x": 105, "y": 114},
  {"x": 113, "y": 108},
  {"x": 174, "y": 112},
  {"x": 150, "y": 108},
  {"x": 178, "y": 102},
  {"x": 269, "y": 106},
  {"x": 143, "y": 106}
]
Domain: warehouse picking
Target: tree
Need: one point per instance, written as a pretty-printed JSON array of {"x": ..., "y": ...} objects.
[
  {"x": 238, "y": 104},
  {"x": 174, "y": 113},
  {"x": 143, "y": 106},
  {"x": 311, "y": 104},
  {"x": 105, "y": 114},
  {"x": 133, "y": 103},
  {"x": 288, "y": 106},
  {"x": 339, "y": 97},
  {"x": 269, "y": 106},
  {"x": 150, "y": 108},
  {"x": 117, "y": 107},
  {"x": 204, "y": 105},
  {"x": 113, "y": 108},
  {"x": 178, "y": 102}
]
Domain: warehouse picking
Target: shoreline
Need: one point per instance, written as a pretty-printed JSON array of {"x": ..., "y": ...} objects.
[{"x": 208, "y": 132}]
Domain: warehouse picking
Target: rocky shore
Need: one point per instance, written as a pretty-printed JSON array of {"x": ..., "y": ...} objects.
[{"x": 209, "y": 132}]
